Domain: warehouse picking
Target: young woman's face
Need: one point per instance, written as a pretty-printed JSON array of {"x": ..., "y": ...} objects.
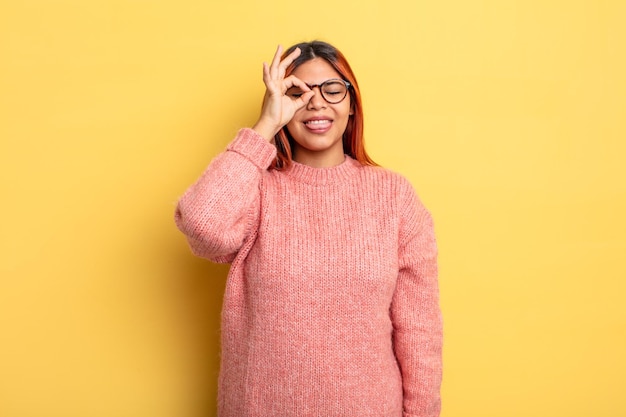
[{"x": 318, "y": 127}]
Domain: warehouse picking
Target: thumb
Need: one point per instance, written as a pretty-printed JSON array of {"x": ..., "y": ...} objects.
[{"x": 304, "y": 99}]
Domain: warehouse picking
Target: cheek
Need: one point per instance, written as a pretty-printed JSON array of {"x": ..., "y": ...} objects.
[
  {"x": 294, "y": 120},
  {"x": 346, "y": 113},
  {"x": 349, "y": 109},
  {"x": 291, "y": 127}
]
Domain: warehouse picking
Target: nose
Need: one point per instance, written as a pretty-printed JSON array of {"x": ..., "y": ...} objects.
[{"x": 317, "y": 101}]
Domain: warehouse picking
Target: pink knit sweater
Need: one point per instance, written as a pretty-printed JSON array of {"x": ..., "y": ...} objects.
[{"x": 331, "y": 305}]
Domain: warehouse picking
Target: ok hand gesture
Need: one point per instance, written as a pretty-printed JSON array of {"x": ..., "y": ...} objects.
[{"x": 279, "y": 108}]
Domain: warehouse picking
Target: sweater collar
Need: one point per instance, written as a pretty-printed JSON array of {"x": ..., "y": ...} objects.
[{"x": 322, "y": 176}]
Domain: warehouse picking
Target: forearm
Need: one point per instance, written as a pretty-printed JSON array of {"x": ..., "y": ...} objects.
[
  {"x": 217, "y": 212},
  {"x": 419, "y": 354}
]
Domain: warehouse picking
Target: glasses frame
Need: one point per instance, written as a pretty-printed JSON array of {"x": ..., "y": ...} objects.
[{"x": 332, "y": 80}]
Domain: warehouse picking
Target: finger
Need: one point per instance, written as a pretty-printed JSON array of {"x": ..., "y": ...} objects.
[
  {"x": 290, "y": 58},
  {"x": 293, "y": 81},
  {"x": 266, "y": 73},
  {"x": 276, "y": 60},
  {"x": 270, "y": 84},
  {"x": 307, "y": 93},
  {"x": 303, "y": 99}
]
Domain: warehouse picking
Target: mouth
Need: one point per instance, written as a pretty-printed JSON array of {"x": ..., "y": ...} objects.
[{"x": 318, "y": 125}]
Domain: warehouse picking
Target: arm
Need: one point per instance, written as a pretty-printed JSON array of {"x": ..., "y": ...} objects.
[
  {"x": 415, "y": 311},
  {"x": 220, "y": 210}
]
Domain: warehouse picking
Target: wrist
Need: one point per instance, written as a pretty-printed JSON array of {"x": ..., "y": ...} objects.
[{"x": 265, "y": 129}]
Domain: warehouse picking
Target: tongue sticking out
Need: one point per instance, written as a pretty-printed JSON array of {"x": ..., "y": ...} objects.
[{"x": 318, "y": 125}]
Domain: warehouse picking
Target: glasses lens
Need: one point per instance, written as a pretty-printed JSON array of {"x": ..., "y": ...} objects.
[{"x": 334, "y": 91}]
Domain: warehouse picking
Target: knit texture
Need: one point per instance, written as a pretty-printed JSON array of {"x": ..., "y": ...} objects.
[{"x": 331, "y": 306}]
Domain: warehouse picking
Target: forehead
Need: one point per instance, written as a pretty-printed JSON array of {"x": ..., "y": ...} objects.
[{"x": 315, "y": 71}]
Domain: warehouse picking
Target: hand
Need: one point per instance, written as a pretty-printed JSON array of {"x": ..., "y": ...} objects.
[{"x": 278, "y": 108}]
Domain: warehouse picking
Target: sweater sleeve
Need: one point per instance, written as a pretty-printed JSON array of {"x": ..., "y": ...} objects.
[
  {"x": 220, "y": 210},
  {"x": 415, "y": 311}
]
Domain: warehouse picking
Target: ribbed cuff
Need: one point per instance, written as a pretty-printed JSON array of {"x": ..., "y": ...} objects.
[{"x": 254, "y": 147}]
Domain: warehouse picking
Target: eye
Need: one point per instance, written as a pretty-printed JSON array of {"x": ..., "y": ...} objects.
[
  {"x": 334, "y": 88},
  {"x": 294, "y": 92}
]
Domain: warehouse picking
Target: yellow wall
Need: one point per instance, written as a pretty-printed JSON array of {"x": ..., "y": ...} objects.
[{"x": 508, "y": 116}]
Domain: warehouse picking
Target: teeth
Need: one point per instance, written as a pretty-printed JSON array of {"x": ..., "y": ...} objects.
[{"x": 317, "y": 122}]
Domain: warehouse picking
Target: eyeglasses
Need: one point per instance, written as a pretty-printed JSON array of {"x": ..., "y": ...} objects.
[{"x": 333, "y": 90}]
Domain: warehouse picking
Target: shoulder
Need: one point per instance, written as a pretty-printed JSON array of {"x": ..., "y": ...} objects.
[
  {"x": 387, "y": 178},
  {"x": 398, "y": 192}
]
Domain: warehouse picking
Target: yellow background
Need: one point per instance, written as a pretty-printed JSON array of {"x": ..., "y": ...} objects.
[{"x": 507, "y": 116}]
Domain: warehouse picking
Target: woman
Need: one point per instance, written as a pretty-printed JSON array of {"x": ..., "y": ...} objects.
[{"x": 331, "y": 304}]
